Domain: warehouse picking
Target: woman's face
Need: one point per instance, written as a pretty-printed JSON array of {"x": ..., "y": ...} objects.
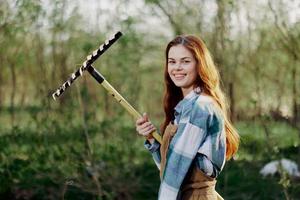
[{"x": 182, "y": 68}]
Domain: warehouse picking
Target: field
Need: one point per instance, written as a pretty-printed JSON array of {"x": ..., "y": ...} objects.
[{"x": 55, "y": 156}]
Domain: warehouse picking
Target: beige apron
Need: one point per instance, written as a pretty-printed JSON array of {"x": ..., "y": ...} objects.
[{"x": 197, "y": 185}]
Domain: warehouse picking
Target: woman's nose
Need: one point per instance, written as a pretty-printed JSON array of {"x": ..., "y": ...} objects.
[{"x": 178, "y": 66}]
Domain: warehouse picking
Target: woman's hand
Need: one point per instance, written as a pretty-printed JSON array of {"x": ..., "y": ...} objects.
[{"x": 144, "y": 127}]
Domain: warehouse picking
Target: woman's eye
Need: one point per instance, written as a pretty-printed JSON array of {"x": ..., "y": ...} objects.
[
  {"x": 186, "y": 61},
  {"x": 171, "y": 62}
]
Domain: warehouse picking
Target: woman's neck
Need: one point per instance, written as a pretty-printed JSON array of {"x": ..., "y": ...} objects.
[{"x": 186, "y": 91}]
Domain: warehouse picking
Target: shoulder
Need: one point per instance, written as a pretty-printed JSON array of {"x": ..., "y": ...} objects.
[
  {"x": 206, "y": 104},
  {"x": 205, "y": 109}
]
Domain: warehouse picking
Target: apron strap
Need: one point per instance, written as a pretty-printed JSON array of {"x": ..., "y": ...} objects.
[{"x": 170, "y": 131}]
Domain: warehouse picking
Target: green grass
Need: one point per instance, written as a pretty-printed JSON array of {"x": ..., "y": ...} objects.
[{"x": 46, "y": 157}]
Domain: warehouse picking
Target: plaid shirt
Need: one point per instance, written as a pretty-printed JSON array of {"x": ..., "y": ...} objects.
[{"x": 200, "y": 138}]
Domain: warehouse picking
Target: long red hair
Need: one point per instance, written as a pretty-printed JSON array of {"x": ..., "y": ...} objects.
[{"x": 208, "y": 80}]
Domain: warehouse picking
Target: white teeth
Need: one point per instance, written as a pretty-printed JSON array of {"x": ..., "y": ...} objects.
[{"x": 179, "y": 75}]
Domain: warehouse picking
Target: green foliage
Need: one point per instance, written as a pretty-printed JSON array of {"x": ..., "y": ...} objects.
[
  {"x": 84, "y": 145},
  {"x": 50, "y": 157},
  {"x": 41, "y": 162}
]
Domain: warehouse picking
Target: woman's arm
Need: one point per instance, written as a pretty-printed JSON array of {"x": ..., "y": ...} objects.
[
  {"x": 212, "y": 152},
  {"x": 154, "y": 148},
  {"x": 144, "y": 127}
]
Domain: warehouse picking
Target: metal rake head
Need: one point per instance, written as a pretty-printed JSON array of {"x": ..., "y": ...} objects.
[{"x": 89, "y": 60}]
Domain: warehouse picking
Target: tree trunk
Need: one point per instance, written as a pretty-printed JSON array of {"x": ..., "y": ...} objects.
[
  {"x": 44, "y": 87},
  {"x": 219, "y": 45},
  {"x": 175, "y": 26},
  {"x": 1, "y": 83},
  {"x": 232, "y": 101},
  {"x": 296, "y": 117},
  {"x": 54, "y": 60},
  {"x": 13, "y": 92}
]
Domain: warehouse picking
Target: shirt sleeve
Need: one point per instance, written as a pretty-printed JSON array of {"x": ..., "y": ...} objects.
[
  {"x": 212, "y": 152},
  {"x": 154, "y": 149}
]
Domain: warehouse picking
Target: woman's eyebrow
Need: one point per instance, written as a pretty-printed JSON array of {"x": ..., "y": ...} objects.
[{"x": 187, "y": 57}]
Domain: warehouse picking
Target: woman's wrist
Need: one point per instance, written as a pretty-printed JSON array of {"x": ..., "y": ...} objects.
[{"x": 151, "y": 140}]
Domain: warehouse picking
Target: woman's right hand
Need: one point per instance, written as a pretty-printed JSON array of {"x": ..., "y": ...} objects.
[{"x": 144, "y": 127}]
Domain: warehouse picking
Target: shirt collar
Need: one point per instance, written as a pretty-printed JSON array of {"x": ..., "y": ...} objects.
[
  {"x": 190, "y": 95},
  {"x": 188, "y": 99}
]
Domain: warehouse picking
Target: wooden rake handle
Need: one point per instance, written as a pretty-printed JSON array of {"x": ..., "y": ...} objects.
[{"x": 101, "y": 80}]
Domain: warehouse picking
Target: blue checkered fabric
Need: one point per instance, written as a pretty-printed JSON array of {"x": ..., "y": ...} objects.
[{"x": 200, "y": 137}]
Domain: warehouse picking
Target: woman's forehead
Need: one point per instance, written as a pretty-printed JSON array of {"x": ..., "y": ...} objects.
[{"x": 179, "y": 52}]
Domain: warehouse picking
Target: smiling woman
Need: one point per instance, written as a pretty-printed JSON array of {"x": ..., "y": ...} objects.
[
  {"x": 182, "y": 68},
  {"x": 197, "y": 135}
]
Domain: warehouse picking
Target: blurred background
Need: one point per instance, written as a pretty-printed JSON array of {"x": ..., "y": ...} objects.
[{"x": 84, "y": 145}]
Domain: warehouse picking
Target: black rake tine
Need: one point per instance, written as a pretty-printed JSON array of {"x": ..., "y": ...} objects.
[{"x": 89, "y": 60}]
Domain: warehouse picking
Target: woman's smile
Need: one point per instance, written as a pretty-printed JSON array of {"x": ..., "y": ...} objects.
[
  {"x": 179, "y": 76},
  {"x": 182, "y": 68}
]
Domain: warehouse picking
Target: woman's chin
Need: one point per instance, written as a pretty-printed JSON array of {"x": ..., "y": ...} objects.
[{"x": 179, "y": 84}]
